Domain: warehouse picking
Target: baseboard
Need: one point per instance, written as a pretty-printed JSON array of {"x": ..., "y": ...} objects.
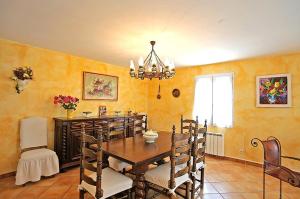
[
  {"x": 5, "y": 175},
  {"x": 236, "y": 160}
]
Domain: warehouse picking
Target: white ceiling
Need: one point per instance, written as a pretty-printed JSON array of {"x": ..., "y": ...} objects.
[{"x": 191, "y": 32}]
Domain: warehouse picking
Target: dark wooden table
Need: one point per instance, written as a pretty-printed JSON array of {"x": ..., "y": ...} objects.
[{"x": 139, "y": 154}]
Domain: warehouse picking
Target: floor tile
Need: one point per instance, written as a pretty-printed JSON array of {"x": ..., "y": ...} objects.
[
  {"x": 55, "y": 192},
  {"x": 208, "y": 189},
  {"x": 32, "y": 192},
  {"x": 223, "y": 180},
  {"x": 211, "y": 196},
  {"x": 9, "y": 193},
  {"x": 72, "y": 193}
]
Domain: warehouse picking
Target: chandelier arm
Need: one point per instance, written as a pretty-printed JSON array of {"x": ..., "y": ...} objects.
[
  {"x": 148, "y": 56},
  {"x": 148, "y": 65},
  {"x": 161, "y": 66},
  {"x": 151, "y": 54},
  {"x": 159, "y": 60},
  {"x": 147, "y": 62}
]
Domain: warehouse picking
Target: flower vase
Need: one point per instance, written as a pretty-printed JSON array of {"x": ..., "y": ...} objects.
[
  {"x": 70, "y": 113},
  {"x": 21, "y": 85}
]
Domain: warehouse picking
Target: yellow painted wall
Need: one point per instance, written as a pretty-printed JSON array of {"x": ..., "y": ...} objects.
[
  {"x": 54, "y": 73},
  {"x": 58, "y": 73},
  {"x": 249, "y": 121}
]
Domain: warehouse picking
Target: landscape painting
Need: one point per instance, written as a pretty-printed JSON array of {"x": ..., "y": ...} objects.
[
  {"x": 99, "y": 87},
  {"x": 273, "y": 91}
]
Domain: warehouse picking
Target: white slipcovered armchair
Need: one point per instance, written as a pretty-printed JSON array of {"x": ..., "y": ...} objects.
[{"x": 36, "y": 160}]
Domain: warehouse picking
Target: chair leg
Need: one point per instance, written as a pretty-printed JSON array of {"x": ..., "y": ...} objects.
[
  {"x": 81, "y": 194},
  {"x": 193, "y": 187},
  {"x": 146, "y": 190},
  {"x": 264, "y": 185},
  {"x": 280, "y": 189},
  {"x": 202, "y": 178},
  {"x": 187, "y": 190},
  {"x": 129, "y": 194}
]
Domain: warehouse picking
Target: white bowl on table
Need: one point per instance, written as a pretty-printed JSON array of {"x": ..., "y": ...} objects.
[{"x": 150, "y": 136}]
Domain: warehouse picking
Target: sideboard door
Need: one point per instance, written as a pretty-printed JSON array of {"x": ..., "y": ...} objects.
[{"x": 75, "y": 133}]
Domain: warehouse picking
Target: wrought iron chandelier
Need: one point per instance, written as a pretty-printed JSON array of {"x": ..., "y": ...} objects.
[{"x": 152, "y": 67}]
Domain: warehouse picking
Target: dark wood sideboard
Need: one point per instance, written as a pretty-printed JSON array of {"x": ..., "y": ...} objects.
[{"x": 67, "y": 135}]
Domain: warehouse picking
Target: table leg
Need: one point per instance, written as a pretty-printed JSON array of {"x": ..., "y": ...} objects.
[{"x": 140, "y": 185}]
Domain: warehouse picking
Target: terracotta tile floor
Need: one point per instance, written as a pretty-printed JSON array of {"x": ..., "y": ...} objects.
[{"x": 223, "y": 180}]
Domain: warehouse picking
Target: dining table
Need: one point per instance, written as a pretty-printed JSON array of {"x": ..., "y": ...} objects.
[{"x": 136, "y": 152}]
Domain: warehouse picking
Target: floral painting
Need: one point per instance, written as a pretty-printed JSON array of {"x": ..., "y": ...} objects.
[
  {"x": 273, "y": 91},
  {"x": 98, "y": 86}
]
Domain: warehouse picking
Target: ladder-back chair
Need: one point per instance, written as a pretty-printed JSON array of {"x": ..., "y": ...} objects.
[
  {"x": 198, "y": 158},
  {"x": 117, "y": 129},
  {"x": 100, "y": 183},
  {"x": 167, "y": 177},
  {"x": 139, "y": 124},
  {"x": 186, "y": 123}
]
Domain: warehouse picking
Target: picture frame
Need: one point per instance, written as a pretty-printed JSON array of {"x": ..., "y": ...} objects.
[
  {"x": 274, "y": 90},
  {"x": 102, "y": 111},
  {"x": 99, "y": 86}
]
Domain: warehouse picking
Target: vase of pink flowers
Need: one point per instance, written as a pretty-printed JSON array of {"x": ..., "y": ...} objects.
[{"x": 67, "y": 102}]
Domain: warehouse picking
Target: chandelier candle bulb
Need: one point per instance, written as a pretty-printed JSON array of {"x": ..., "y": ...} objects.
[
  {"x": 172, "y": 66},
  {"x": 141, "y": 61},
  {"x": 153, "y": 62},
  {"x": 167, "y": 62},
  {"x": 132, "y": 65}
]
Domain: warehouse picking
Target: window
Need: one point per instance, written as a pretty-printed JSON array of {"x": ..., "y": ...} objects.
[{"x": 214, "y": 99}]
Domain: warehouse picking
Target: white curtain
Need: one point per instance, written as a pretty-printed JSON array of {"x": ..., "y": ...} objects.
[
  {"x": 214, "y": 99},
  {"x": 203, "y": 99}
]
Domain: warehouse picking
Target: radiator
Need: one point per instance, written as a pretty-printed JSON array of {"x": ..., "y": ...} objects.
[{"x": 215, "y": 144}]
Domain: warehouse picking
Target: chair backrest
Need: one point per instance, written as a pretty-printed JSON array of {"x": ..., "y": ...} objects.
[
  {"x": 89, "y": 154},
  {"x": 199, "y": 145},
  {"x": 180, "y": 155},
  {"x": 117, "y": 129},
  {"x": 33, "y": 132},
  {"x": 139, "y": 124},
  {"x": 272, "y": 151},
  {"x": 185, "y": 124}
]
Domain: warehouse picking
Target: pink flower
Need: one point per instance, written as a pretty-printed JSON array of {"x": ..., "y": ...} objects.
[{"x": 66, "y": 99}]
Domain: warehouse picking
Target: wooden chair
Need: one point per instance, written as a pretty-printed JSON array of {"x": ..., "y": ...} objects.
[
  {"x": 100, "y": 183},
  {"x": 272, "y": 164},
  {"x": 198, "y": 158},
  {"x": 36, "y": 160},
  {"x": 186, "y": 123},
  {"x": 117, "y": 130},
  {"x": 139, "y": 124},
  {"x": 167, "y": 177}
]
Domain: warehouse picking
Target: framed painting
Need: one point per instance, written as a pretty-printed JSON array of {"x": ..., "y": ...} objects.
[
  {"x": 273, "y": 91},
  {"x": 99, "y": 87}
]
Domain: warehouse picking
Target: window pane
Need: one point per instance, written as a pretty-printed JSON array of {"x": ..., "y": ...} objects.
[
  {"x": 203, "y": 99},
  {"x": 222, "y": 100}
]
